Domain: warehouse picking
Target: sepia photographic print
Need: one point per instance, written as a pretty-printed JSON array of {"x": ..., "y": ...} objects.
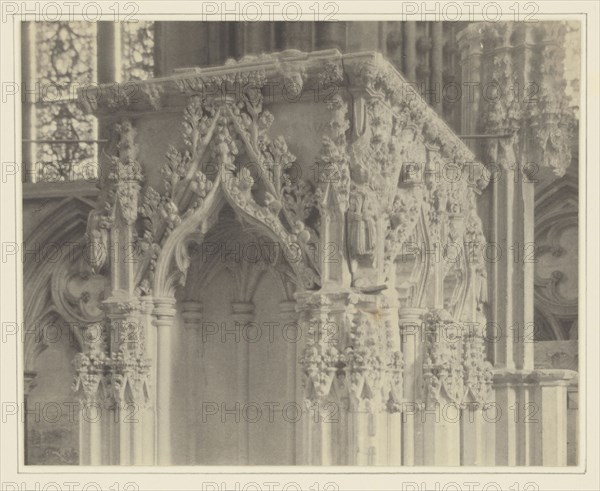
[{"x": 334, "y": 245}]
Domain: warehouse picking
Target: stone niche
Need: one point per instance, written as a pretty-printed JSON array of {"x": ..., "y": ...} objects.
[{"x": 289, "y": 235}]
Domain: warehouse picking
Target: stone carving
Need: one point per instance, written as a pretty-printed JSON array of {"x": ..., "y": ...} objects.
[
  {"x": 544, "y": 109},
  {"x": 90, "y": 375},
  {"x": 404, "y": 216},
  {"x": 372, "y": 367},
  {"x": 351, "y": 352},
  {"x": 379, "y": 77},
  {"x": 233, "y": 131},
  {"x": 552, "y": 117},
  {"x": 113, "y": 380},
  {"x": 556, "y": 252},
  {"x": 77, "y": 294},
  {"x": 113, "y": 368},
  {"x": 478, "y": 372},
  {"x": 130, "y": 378},
  {"x": 222, "y": 132},
  {"x": 301, "y": 205},
  {"x": 321, "y": 359},
  {"x": 557, "y": 355},
  {"x": 373, "y": 172},
  {"x": 378, "y": 185},
  {"x": 96, "y": 238},
  {"x": 90, "y": 366},
  {"x": 443, "y": 376},
  {"x": 405, "y": 129},
  {"x": 120, "y": 195},
  {"x": 362, "y": 216},
  {"x": 362, "y": 357},
  {"x": 475, "y": 240},
  {"x": 334, "y": 172}
]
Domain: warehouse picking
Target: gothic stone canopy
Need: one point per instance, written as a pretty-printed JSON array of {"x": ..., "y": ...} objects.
[
  {"x": 321, "y": 153},
  {"x": 351, "y": 184}
]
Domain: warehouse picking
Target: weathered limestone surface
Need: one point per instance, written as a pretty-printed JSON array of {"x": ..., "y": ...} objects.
[
  {"x": 314, "y": 194},
  {"x": 352, "y": 191},
  {"x": 527, "y": 110}
]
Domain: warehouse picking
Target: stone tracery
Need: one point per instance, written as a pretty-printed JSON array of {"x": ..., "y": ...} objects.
[
  {"x": 376, "y": 195},
  {"x": 372, "y": 242},
  {"x": 383, "y": 180}
]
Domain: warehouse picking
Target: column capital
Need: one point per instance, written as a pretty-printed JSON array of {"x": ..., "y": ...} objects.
[
  {"x": 545, "y": 122},
  {"x": 411, "y": 312},
  {"x": 505, "y": 377},
  {"x": 541, "y": 377},
  {"x": 121, "y": 304},
  {"x": 164, "y": 309},
  {"x": 242, "y": 311},
  {"x": 553, "y": 377},
  {"x": 288, "y": 306},
  {"x": 192, "y": 313}
]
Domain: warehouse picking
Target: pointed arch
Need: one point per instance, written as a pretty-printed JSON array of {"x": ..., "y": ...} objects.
[
  {"x": 62, "y": 226},
  {"x": 173, "y": 261}
]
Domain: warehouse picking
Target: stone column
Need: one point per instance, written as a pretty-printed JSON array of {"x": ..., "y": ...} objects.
[
  {"x": 353, "y": 401},
  {"x": 113, "y": 371},
  {"x": 127, "y": 420},
  {"x": 92, "y": 384},
  {"x": 374, "y": 408},
  {"x": 512, "y": 300},
  {"x": 191, "y": 311},
  {"x": 477, "y": 423},
  {"x": 91, "y": 436},
  {"x": 526, "y": 135},
  {"x": 514, "y": 438},
  {"x": 473, "y": 435},
  {"x": 30, "y": 383},
  {"x": 164, "y": 314},
  {"x": 469, "y": 43},
  {"x": 388, "y": 429},
  {"x": 363, "y": 36},
  {"x": 258, "y": 37},
  {"x": 292, "y": 334},
  {"x": 411, "y": 332},
  {"x": 320, "y": 323},
  {"x": 243, "y": 314},
  {"x": 182, "y": 45},
  {"x": 573, "y": 452},
  {"x": 443, "y": 388},
  {"x": 296, "y": 35},
  {"x": 147, "y": 440},
  {"x": 549, "y": 396},
  {"x": 437, "y": 64},
  {"x": 410, "y": 50},
  {"x": 109, "y": 56},
  {"x": 331, "y": 35},
  {"x": 538, "y": 415}
]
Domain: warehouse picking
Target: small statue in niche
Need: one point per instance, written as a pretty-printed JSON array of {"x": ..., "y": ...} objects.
[
  {"x": 361, "y": 224},
  {"x": 97, "y": 239}
]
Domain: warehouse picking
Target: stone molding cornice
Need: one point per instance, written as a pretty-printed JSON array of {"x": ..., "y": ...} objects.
[
  {"x": 307, "y": 73},
  {"x": 543, "y": 377}
]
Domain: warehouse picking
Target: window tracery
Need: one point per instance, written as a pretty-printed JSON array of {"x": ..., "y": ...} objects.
[{"x": 63, "y": 139}]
